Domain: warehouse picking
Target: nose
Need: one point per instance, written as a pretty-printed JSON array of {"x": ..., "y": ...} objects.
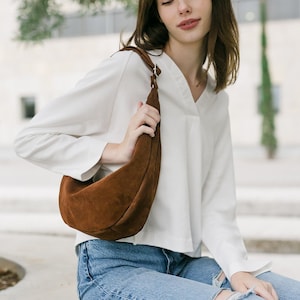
[{"x": 184, "y": 7}]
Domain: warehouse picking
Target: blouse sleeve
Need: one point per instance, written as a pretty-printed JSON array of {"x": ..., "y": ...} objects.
[
  {"x": 220, "y": 231},
  {"x": 69, "y": 135}
]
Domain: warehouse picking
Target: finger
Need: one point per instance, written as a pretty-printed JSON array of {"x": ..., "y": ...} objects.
[
  {"x": 274, "y": 294},
  {"x": 148, "y": 110},
  {"x": 140, "y": 104},
  {"x": 140, "y": 122},
  {"x": 145, "y": 129},
  {"x": 265, "y": 292},
  {"x": 243, "y": 288},
  {"x": 271, "y": 290},
  {"x": 142, "y": 119},
  {"x": 150, "y": 122}
]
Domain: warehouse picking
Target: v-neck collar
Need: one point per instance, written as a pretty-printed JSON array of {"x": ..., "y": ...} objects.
[{"x": 181, "y": 81}]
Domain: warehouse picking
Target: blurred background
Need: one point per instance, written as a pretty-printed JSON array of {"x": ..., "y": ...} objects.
[
  {"x": 33, "y": 74},
  {"x": 40, "y": 60}
]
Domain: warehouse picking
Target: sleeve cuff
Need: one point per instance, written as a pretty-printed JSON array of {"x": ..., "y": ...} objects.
[{"x": 255, "y": 267}]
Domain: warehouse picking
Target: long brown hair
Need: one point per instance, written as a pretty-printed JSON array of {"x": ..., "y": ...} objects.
[{"x": 222, "y": 41}]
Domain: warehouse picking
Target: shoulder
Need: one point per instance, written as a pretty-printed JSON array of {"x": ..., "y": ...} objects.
[
  {"x": 120, "y": 65},
  {"x": 132, "y": 63}
]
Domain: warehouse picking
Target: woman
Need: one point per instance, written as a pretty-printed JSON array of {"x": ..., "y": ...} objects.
[{"x": 92, "y": 131}]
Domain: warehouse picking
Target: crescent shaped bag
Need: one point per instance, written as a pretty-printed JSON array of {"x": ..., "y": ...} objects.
[{"x": 117, "y": 206}]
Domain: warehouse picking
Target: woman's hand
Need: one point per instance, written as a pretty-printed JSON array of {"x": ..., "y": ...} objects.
[
  {"x": 143, "y": 121},
  {"x": 242, "y": 281}
]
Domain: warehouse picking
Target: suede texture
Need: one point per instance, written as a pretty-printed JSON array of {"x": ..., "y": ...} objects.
[{"x": 118, "y": 205}]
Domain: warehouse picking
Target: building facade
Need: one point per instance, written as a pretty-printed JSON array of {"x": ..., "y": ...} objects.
[{"x": 32, "y": 75}]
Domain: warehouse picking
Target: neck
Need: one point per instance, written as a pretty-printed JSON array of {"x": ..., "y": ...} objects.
[{"x": 189, "y": 59}]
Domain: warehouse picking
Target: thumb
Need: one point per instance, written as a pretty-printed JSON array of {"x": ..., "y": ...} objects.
[{"x": 140, "y": 104}]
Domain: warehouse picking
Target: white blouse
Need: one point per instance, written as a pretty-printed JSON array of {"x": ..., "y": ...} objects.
[{"x": 195, "y": 200}]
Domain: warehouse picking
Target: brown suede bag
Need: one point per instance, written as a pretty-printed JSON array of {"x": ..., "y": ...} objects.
[{"x": 117, "y": 205}]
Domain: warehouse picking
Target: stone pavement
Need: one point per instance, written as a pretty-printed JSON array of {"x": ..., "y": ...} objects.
[
  {"x": 268, "y": 193},
  {"x": 49, "y": 262},
  {"x": 33, "y": 234}
]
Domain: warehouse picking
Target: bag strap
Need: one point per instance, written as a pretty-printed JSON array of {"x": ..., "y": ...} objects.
[{"x": 147, "y": 60}]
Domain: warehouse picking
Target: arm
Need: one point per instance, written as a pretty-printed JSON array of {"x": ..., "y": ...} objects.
[
  {"x": 143, "y": 121},
  {"x": 220, "y": 232},
  {"x": 69, "y": 136},
  {"x": 65, "y": 136}
]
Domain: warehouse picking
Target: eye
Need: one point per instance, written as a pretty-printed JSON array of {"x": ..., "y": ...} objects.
[{"x": 166, "y": 2}]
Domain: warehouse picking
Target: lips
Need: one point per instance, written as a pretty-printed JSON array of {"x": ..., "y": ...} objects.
[{"x": 188, "y": 24}]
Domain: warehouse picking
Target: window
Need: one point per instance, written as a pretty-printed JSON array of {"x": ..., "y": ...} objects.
[
  {"x": 28, "y": 107},
  {"x": 112, "y": 21},
  {"x": 249, "y": 10},
  {"x": 121, "y": 20}
]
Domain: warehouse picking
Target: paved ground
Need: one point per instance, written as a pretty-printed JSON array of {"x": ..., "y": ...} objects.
[
  {"x": 50, "y": 265},
  {"x": 33, "y": 235}
]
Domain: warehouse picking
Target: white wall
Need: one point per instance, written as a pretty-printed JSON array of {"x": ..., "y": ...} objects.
[
  {"x": 283, "y": 54},
  {"x": 49, "y": 69}
]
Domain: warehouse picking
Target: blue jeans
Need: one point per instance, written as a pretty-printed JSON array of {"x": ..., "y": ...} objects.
[{"x": 123, "y": 271}]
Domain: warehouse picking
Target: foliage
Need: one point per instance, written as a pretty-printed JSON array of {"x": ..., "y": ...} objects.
[
  {"x": 97, "y": 5},
  {"x": 268, "y": 138},
  {"x": 38, "y": 19}
]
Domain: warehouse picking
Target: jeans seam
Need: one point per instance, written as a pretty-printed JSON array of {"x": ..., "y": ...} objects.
[
  {"x": 89, "y": 275},
  {"x": 168, "y": 261},
  {"x": 101, "y": 287}
]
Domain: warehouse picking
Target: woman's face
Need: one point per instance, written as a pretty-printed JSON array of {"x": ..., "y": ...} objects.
[{"x": 187, "y": 21}]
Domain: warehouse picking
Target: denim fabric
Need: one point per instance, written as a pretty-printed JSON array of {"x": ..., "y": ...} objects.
[{"x": 123, "y": 271}]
